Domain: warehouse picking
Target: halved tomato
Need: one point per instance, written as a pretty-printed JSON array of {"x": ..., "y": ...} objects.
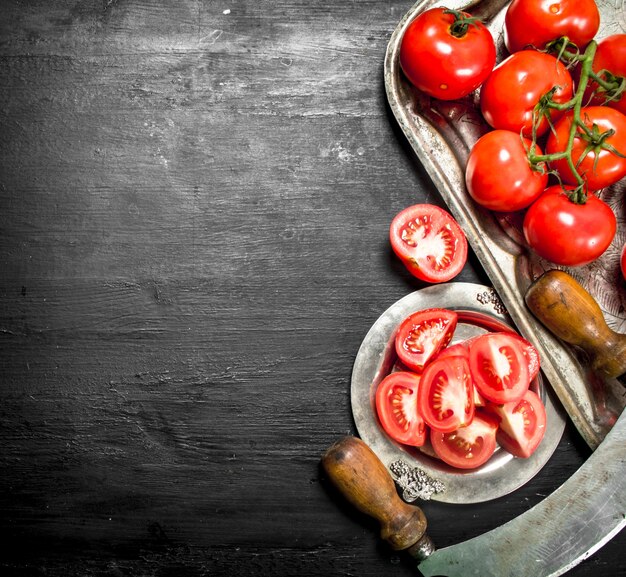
[
  {"x": 468, "y": 447},
  {"x": 422, "y": 335},
  {"x": 429, "y": 242},
  {"x": 522, "y": 424},
  {"x": 499, "y": 367},
  {"x": 446, "y": 394},
  {"x": 396, "y": 405}
]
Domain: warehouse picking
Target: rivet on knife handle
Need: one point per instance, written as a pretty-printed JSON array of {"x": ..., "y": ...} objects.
[
  {"x": 573, "y": 315},
  {"x": 365, "y": 482}
]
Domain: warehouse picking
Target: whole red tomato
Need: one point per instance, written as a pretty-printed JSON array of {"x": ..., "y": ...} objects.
[
  {"x": 509, "y": 96},
  {"x": 597, "y": 165},
  {"x": 536, "y": 22},
  {"x": 444, "y": 57},
  {"x": 567, "y": 233},
  {"x": 623, "y": 262},
  {"x": 610, "y": 56},
  {"x": 498, "y": 175}
]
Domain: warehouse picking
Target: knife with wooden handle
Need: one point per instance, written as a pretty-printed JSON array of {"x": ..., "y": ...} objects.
[
  {"x": 545, "y": 541},
  {"x": 573, "y": 315}
]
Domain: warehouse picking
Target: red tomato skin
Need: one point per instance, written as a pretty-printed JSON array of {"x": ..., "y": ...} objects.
[
  {"x": 411, "y": 234},
  {"x": 598, "y": 170},
  {"x": 623, "y": 262},
  {"x": 537, "y": 22},
  {"x": 440, "y": 64},
  {"x": 521, "y": 443},
  {"x": 498, "y": 175},
  {"x": 483, "y": 360},
  {"x": 396, "y": 407},
  {"x": 509, "y": 95},
  {"x": 421, "y": 336},
  {"x": 452, "y": 449},
  {"x": 442, "y": 380},
  {"x": 610, "y": 55},
  {"x": 566, "y": 233}
]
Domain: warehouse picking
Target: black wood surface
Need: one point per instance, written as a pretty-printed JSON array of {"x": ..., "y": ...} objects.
[{"x": 195, "y": 198}]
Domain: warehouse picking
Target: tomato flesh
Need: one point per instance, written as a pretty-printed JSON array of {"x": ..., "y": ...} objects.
[
  {"x": 468, "y": 447},
  {"x": 396, "y": 406},
  {"x": 422, "y": 335},
  {"x": 499, "y": 368},
  {"x": 429, "y": 242},
  {"x": 446, "y": 394},
  {"x": 522, "y": 424}
]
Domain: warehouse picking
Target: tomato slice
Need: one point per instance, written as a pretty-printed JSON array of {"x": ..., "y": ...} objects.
[
  {"x": 531, "y": 354},
  {"x": 522, "y": 424},
  {"x": 422, "y": 335},
  {"x": 499, "y": 367},
  {"x": 396, "y": 405},
  {"x": 429, "y": 242},
  {"x": 468, "y": 447},
  {"x": 446, "y": 394}
]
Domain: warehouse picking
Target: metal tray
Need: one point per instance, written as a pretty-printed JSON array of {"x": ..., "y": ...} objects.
[
  {"x": 417, "y": 472},
  {"x": 441, "y": 135}
]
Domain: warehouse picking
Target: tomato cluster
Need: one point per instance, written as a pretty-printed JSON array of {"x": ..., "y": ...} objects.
[
  {"x": 459, "y": 401},
  {"x": 556, "y": 108}
]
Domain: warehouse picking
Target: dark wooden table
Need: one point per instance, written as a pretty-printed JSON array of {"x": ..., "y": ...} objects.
[{"x": 195, "y": 198}]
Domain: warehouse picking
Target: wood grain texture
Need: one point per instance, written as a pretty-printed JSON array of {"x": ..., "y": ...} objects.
[{"x": 194, "y": 205}]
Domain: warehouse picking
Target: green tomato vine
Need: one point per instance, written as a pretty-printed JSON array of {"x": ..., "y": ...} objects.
[{"x": 611, "y": 86}]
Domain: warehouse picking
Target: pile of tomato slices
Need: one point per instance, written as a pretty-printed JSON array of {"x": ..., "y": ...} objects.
[{"x": 459, "y": 401}]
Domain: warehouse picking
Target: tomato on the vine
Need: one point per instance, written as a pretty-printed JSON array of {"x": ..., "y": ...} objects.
[
  {"x": 498, "y": 174},
  {"x": 396, "y": 406},
  {"x": 565, "y": 232},
  {"x": 499, "y": 367},
  {"x": 534, "y": 23},
  {"x": 446, "y": 55},
  {"x": 516, "y": 86},
  {"x": 422, "y": 335},
  {"x": 610, "y": 57},
  {"x": 468, "y": 447},
  {"x": 429, "y": 242},
  {"x": 445, "y": 398},
  {"x": 522, "y": 424},
  {"x": 594, "y": 148}
]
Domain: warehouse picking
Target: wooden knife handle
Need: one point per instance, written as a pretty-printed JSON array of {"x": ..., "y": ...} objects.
[
  {"x": 573, "y": 315},
  {"x": 365, "y": 482}
]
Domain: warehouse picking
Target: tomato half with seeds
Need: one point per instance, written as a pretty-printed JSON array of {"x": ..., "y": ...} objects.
[
  {"x": 468, "y": 447},
  {"x": 429, "y": 242},
  {"x": 396, "y": 406},
  {"x": 499, "y": 367},
  {"x": 445, "y": 55},
  {"x": 592, "y": 156},
  {"x": 537, "y": 22},
  {"x": 422, "y": 335},
  {"x": 446, "y": 394},
  {"x": 522, "y": 424}
]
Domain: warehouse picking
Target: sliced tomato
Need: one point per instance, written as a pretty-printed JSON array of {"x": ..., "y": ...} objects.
[
  {"x": 422, "y": 335},
  {"x": 396, "y": 405},
  {"x": 446, "y": 394},
  {"x": 499, "y": 367},
  {"x": 468, "y": 447},
  {"x": 532, "y": 356},
  {"x": 429, "y": 242},
  {"x": 522, "y": 424}
]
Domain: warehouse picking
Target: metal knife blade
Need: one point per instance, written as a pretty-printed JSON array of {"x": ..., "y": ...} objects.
[{"x": 556, "y": 534}]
